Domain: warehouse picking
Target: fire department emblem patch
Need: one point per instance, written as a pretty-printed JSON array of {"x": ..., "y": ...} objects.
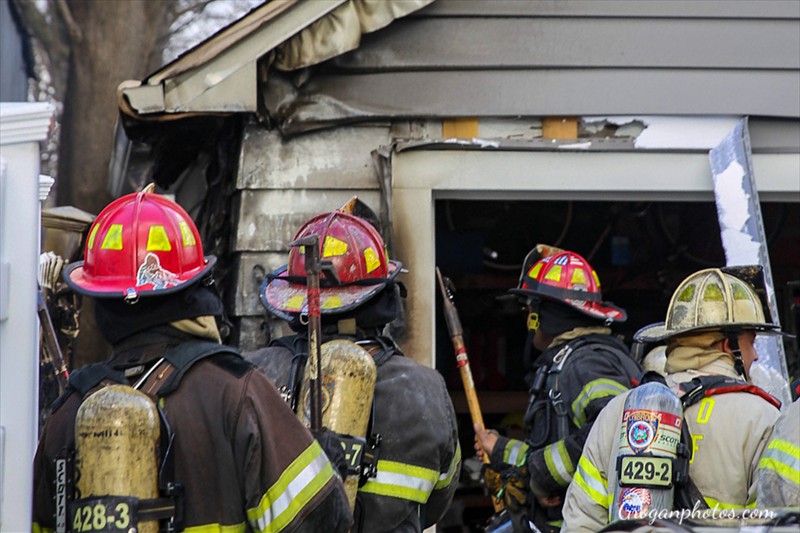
[
  {"x": 634, "y": 502},
  {"x": 641, "y": 431}
]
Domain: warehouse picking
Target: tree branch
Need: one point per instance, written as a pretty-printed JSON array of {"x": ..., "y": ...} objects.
[{"x": 75, "y": 32}]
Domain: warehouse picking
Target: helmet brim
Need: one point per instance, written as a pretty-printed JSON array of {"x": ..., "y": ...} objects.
[
  {"x": 658, "y": 332},
  {"x": 598, "y": 310},
  {"x": 285, "y": 299},
  {"x": 76, "y": 278}
]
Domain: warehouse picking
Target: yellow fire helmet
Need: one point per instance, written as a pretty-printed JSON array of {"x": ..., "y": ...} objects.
[{"x": 714, "y": 299}]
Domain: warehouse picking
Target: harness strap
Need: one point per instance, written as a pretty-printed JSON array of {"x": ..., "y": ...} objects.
[{"x": 705, "y": 386}]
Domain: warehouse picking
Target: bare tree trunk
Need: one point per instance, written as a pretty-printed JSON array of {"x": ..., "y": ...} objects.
[{"x": 112, "y": 41}]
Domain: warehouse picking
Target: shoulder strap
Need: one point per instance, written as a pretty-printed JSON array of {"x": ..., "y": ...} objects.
[
  {"x": 705, "y": 386},
  {"x": 85, "y": 378},
  {"x": 185, "y": 355}
]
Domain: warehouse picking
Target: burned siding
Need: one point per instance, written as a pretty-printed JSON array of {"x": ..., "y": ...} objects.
[
  {"x": 281, "y": 184},
  {"x": 456, "y": 58}
]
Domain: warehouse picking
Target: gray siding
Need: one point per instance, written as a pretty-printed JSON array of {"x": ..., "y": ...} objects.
[
  {"x": 13, "y": 66},
  {"x": 544, "y": 58}
]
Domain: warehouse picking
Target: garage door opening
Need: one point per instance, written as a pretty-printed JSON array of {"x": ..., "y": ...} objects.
[{"x": 641, "y": 250}]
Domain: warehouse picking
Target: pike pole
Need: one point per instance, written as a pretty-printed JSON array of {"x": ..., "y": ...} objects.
[
  {"x": 313, "y": 271},
  {"x": 462, "y": 361}
]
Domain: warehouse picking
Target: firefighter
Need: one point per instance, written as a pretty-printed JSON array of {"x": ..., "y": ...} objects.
[
  {"x": 778, "y": 474},
  {"x": 711, "y": 325},
  {"x": 231, "y": 455},
  {"x": 582, "y": 366},
  {"x": 417, "y": 460}
]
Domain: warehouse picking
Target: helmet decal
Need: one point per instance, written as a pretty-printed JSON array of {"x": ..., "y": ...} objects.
[
  {"x": 90, "y": 242},
  {"x": 333, "y": 247},
  {"x": 157, "y": 240},
  {"x": 554, "y": 274},
  {"x": 713, "y": 293},
  {"x": 151, "y": 271},
  {"x": 578, "y": 277},
  {"x": 186, "y": 234},
  {"x": 332, "y": 302},
  {"x": 294, "y": 302},
  {"x": 371, "y": 260},
  {"x": 687, "y": 294},
  {"x": 113, "y": 240}
]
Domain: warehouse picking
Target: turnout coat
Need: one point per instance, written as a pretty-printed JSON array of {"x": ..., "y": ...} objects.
[
  {"x": 419, "y": 457},
  {"x": 246, "y": 462}
]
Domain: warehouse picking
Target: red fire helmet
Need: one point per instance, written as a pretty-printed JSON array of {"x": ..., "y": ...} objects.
[
  {"x": 356, "y": 251},
  {"x": 568, "y": 278},
  {"x": 141, "y": 244}
]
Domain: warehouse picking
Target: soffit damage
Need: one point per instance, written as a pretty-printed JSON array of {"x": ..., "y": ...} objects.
[{"x": 222, "y": 74}]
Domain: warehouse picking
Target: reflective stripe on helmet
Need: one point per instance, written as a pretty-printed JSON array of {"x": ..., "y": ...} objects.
[
  {"x": 558, "y": 463},
  {"x": 597, "y": 388},
  {"x": 400, "y": 480},
  {"x": 783, "y": 458},
  {"x": 589, "y": 479},
  {"x": 297, "y": 485}
]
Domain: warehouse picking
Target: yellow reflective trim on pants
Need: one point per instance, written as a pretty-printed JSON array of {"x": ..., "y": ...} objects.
[
  {"x": 297, "y": 485},
  {"x": 588, "y": 478},
  {"x": 783, "y": 458},
  {"x": 598, "y": 388},
  {"x": 217, "y": 528},
  {"x": 725, "y": 505},
  {"x": 558, "y": 463},
  {"x": 36, "y": 528},
  {"x": 400, "y": 480},
  {"x": 447, "y": 477}
]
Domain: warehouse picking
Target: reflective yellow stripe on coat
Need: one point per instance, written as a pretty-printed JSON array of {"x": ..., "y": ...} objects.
[
  {"x": 589, "y": 479},
  {"x": 400, "y": 480},
  {"x": 783, "y": 458},
  {"x": 598, "y": 388},
  {"x": 298, "y": 484},
  {"x": 515, "y": 452},
  {"x": 446, "y": 478},
  {"x": 558, "y": 463}
]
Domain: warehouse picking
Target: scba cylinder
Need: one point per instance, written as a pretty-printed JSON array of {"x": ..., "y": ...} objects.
[
  {"x": 650, "y": 432},
  {"x": 116, "y": 454},
  {"x": 348, "y": 386}
]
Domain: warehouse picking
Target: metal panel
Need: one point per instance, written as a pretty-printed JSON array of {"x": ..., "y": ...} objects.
[
  {"x": 745, "y": 243},
  {"x": 567, "y": 92},
  {"x": 329, "y": 159},
  {"x": 268, "y": 220},
  {"x": 604, "y": 8},
  {"x": 449, "y": 43}
]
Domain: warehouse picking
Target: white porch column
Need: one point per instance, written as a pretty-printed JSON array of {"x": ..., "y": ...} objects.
[{"x": 22, "y": 126}]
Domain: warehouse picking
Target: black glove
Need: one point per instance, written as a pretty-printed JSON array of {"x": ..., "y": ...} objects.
[
  {"x": 508, "y": 483},
  {"x": 332, "y": 446}
]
